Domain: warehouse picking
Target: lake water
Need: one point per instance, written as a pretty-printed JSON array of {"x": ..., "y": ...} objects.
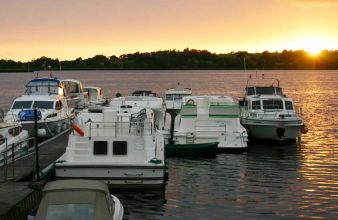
[{"x": 293, "y": 181}]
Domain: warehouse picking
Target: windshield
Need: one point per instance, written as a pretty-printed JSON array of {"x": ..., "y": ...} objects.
[
  {"x": 43, "y": 104},
  {"x": 70, "y": 212},
  {"x": 22, "y": 104},
  {"x": 273, "y": 104}
]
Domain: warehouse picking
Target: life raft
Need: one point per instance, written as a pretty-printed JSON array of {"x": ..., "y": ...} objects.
[{"x": 77, "y": 129}]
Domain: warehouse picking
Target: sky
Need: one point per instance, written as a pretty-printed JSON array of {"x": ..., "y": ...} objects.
[{"x": 68, "y": 29}]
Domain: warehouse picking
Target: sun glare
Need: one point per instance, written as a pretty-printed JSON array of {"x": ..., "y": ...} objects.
[{"x": 314, "y": 45}]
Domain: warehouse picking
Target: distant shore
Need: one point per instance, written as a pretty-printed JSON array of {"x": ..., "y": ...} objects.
[{"x": 188, "y": 59}]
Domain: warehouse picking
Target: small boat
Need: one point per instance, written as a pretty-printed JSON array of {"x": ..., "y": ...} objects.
[
  {"x": 77, "y": 97},
  {"x": 95, "y": 96},
  {"x": 120, "y": 144},
  {"x": 191, "y": 149},
  {"x": 12, "y": 140},
  {"x": 206, "y": 121},
  {"x": 174, "y": 96},
  {"x": 53, "y": 115},
  {"x": 267, "y": 113},
  {"x": 78, "y": 199}
]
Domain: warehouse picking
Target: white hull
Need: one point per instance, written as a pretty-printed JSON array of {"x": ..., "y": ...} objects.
[
  {"x": 125, "y": 176},
  {"x": 51, "y": 128},
  {"x": 234, "y": 140},
  {"x": 277, "y": 130},
  {"x": 21, "y": 147}
]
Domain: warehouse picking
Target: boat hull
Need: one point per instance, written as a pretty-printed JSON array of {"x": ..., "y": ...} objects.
[
  {"x": 115, "y": 176},
  {"x": 191, "y": 149},
  {"x": 277, "y": 130},
  {"x": 51, "y": 128}
]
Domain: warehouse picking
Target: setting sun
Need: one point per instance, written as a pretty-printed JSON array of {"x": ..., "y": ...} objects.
[{"x": 314, "y": 45}]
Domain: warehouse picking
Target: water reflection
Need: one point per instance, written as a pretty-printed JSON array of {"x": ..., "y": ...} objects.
[{"x": 288, "y": 181}]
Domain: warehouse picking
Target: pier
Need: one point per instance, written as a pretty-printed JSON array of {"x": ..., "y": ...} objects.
[{"x": 19, "y": 193}]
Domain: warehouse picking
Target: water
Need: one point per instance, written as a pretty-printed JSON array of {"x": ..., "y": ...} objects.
[{"x": 290, "y": 181}]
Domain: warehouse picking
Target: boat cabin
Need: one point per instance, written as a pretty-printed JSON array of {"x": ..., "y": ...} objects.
[
  {"x": 78, "y": 199},
  {"x": 263, "y": 90},
  {"x": 44, "y": 86},
  {"x": 77, "y": 97},
  {"x": 174, "y": 96},
  {"x": 144, "y": 93}
]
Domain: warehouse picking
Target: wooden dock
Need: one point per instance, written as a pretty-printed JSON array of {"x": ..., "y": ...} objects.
[{"x": 17, "y": 179}]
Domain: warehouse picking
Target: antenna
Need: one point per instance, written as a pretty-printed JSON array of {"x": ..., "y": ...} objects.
[{"x": 244, "y": 64}]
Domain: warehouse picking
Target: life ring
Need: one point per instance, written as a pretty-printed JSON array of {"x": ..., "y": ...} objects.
[
  {"x": 304, "y": 129},
  {"x": 77, "y": 129},
  {"x": 190, "y": 102}
]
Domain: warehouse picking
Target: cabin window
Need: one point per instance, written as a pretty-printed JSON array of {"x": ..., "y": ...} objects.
[
  {"x": 169, "y": 97},
  {"x": 273, "y": 104},
  {"x": 43, "y": 104},
  {"x": 68, "y": 211},
  {"x": 120, "y": 148},
  {"x": 22, "y": 104},
  {"x": 288, "y": 105},
  {"x": 256, "y": 104},
  {"x": 100, "y": 147},
  {"x": 58, "y": 105}
]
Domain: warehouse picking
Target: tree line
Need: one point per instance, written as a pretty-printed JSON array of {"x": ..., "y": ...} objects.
[{"x": 184, "y": 60}]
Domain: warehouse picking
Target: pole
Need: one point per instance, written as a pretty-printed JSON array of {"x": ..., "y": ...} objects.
[{"x": 37, "y": 166}]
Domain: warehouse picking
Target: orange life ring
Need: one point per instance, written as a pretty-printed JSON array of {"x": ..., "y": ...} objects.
[
  {"x": 77, "y": 129},
  {"x": 304, "y": 129}
]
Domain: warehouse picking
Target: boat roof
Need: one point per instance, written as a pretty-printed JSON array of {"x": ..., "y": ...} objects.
[
  {"x": 92, "y": 87},
  {"x": 178, "y": 91},
  {"x": 144, "y": 93},
  {"x": 45, "y": 79},
  {"x": 38, "y": 98},
  {"x": 263, "y": 90},
  {"x": 212, "y": 99},
  {"x": 71, "y": 80},
  {"x": 72, "y": 185}
]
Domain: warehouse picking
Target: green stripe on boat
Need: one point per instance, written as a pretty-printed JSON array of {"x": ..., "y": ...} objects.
[{"x": 189, "y": 116}]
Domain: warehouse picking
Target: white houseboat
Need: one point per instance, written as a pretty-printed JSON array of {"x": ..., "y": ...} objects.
[
  {"x": 174, "y": 96},
  {"x": 76, "y": 96},
  {"x": 119, "y": 145},
  {"x": 207, "y": 122},
  {"x": 95, "y": 96},
  {"x": 269, "y": 114},
  {"x": 47, "y": 95}
]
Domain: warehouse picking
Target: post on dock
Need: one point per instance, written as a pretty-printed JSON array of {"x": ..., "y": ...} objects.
[{"x": 37, "y": 166}]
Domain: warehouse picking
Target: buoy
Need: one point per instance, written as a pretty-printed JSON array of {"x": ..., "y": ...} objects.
[
  {"x": 77, "y": 129},
  {"x": 304, "y": 129}
]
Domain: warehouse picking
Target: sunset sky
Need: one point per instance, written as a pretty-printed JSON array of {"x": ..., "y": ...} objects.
[{"x": 67, "y": 29}]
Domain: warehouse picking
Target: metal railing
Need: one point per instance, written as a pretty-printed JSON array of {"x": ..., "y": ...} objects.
[
  {"x": 14, "y": 152},
  {"x": 118, "y": 129}
]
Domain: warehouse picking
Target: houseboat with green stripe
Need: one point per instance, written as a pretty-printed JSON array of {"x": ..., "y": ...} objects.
[{"x": 208, "y": 121}]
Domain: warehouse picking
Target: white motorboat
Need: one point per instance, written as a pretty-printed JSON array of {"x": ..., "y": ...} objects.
[
  {"x": 174, "y": 96},
  {"x": 95, "y": 96},
  {"x": 78, "y": 199},
  {"x": 205, "y": 121},
  {"x": 76, "y": 96},
  {"x": 47, "y": 95},
  {"x": 12, "y": 140},
  {"x": 267, "y": 113},
  {"x": 120, "y": 145}
]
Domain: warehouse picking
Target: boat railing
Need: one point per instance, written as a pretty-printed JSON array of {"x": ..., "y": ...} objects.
[
  {"x": 13, "y": 152},
  {"x": 117, "y": 129}
]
